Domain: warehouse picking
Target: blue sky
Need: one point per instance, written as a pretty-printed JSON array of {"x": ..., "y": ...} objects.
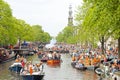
[{"x": 52, "y": 15}]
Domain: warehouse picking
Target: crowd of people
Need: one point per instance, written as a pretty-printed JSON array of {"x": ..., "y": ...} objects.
[
  {"x": 92, "y": 57},
  {"x": 82, "y": 56},
  {"x": 49, "y": 55}
]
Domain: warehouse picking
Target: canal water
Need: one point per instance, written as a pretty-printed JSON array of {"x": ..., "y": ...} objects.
[{"x": 64, "y": 71}]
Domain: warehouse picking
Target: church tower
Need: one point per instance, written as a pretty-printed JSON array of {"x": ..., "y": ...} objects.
[{"x": 70, "y": 17}]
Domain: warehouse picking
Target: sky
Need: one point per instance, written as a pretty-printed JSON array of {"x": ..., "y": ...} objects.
[{"x": 52, "y": 15}]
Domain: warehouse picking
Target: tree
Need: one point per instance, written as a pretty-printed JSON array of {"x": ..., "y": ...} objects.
[
  {"x": 5, "y": 23},
  {"x": 101, "y": 17},
  {"x": 13, "y": 29},
  {"x": 40, "y": 35},
  {"x": 67, "y": 35}
]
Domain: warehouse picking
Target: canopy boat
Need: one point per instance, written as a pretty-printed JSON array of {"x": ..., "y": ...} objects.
[{"x": 15, "y": 67}]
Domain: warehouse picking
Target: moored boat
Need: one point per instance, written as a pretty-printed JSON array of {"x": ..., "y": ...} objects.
[{"x": 6, "y": 55}]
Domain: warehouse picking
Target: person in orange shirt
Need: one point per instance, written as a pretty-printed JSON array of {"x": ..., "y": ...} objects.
[
  {"x": 94, "y": 61},
  {"x": 87, "y": 61},
  {"x": 31, "y": 70}
]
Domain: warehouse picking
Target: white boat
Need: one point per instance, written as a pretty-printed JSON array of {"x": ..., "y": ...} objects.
[
  {"x": 37, "y": 74},
  {"x": 34, "y": 76}
]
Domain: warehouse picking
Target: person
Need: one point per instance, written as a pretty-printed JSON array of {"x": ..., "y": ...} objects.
[
  {"x": 49, "y": 55},
  {"x": 58, "y": 56},
  {"x": 35, "y": 67},
  {"x": 18, "y": 59},
  {"x": 23, "y": 63},
  {"x": 101, "y": 77},
  {"x": 41, "y": 66},
  {"x": 30, "y": 68},
  {"x": 18, "y": 56},
  {"x": 54, "y": 55},
  {"x": 118, "y": 63}
]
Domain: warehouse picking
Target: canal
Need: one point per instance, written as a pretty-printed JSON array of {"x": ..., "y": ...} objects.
[{"x": 64, "y": 71}]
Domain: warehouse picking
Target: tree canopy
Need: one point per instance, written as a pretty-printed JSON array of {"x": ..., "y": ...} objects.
[
  {"x": 12, "y": 29},
  {"x": 100, "y": 19}
]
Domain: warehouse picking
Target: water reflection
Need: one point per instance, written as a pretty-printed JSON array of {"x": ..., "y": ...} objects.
[
  {"x": 64, "y": 71},
  {"x": 54, "y": 65}
]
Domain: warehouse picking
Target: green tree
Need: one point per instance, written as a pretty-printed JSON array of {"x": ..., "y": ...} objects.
[
  {"x": 102, "y": 18},
  {"x": 40, "y": 35},
  {"x": 5, "y": 23},
  {"x": 13, "y": 29},
  {"x": 67, "y": 35}
]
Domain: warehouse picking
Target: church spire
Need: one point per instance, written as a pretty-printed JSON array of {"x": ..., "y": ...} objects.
[{"x": 70, "y": 17}]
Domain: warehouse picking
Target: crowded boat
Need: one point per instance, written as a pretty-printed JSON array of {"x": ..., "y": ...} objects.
[
  {"x": 27, "y": 69},
  {"x": 32, "y": 71},
  {"x": 51, "y": 57}
]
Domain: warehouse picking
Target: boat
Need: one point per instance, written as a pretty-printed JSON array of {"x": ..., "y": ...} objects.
[
  {"x": 16, "y": 67},
  {"x": 34, "y": 76},
  {"x": 54, "y": 65},
  {"x": 78, "y": 66},
  {"x": 53, "y": 61},
  {"x": 44, "y": 58},
  {"x": 92, "y": 67},
  {"x": 99, "y": 71},
  {"x": 22, "y": 52},
  {"x": 6, "y": 55},
  {"x": 73, "y": 64}
]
